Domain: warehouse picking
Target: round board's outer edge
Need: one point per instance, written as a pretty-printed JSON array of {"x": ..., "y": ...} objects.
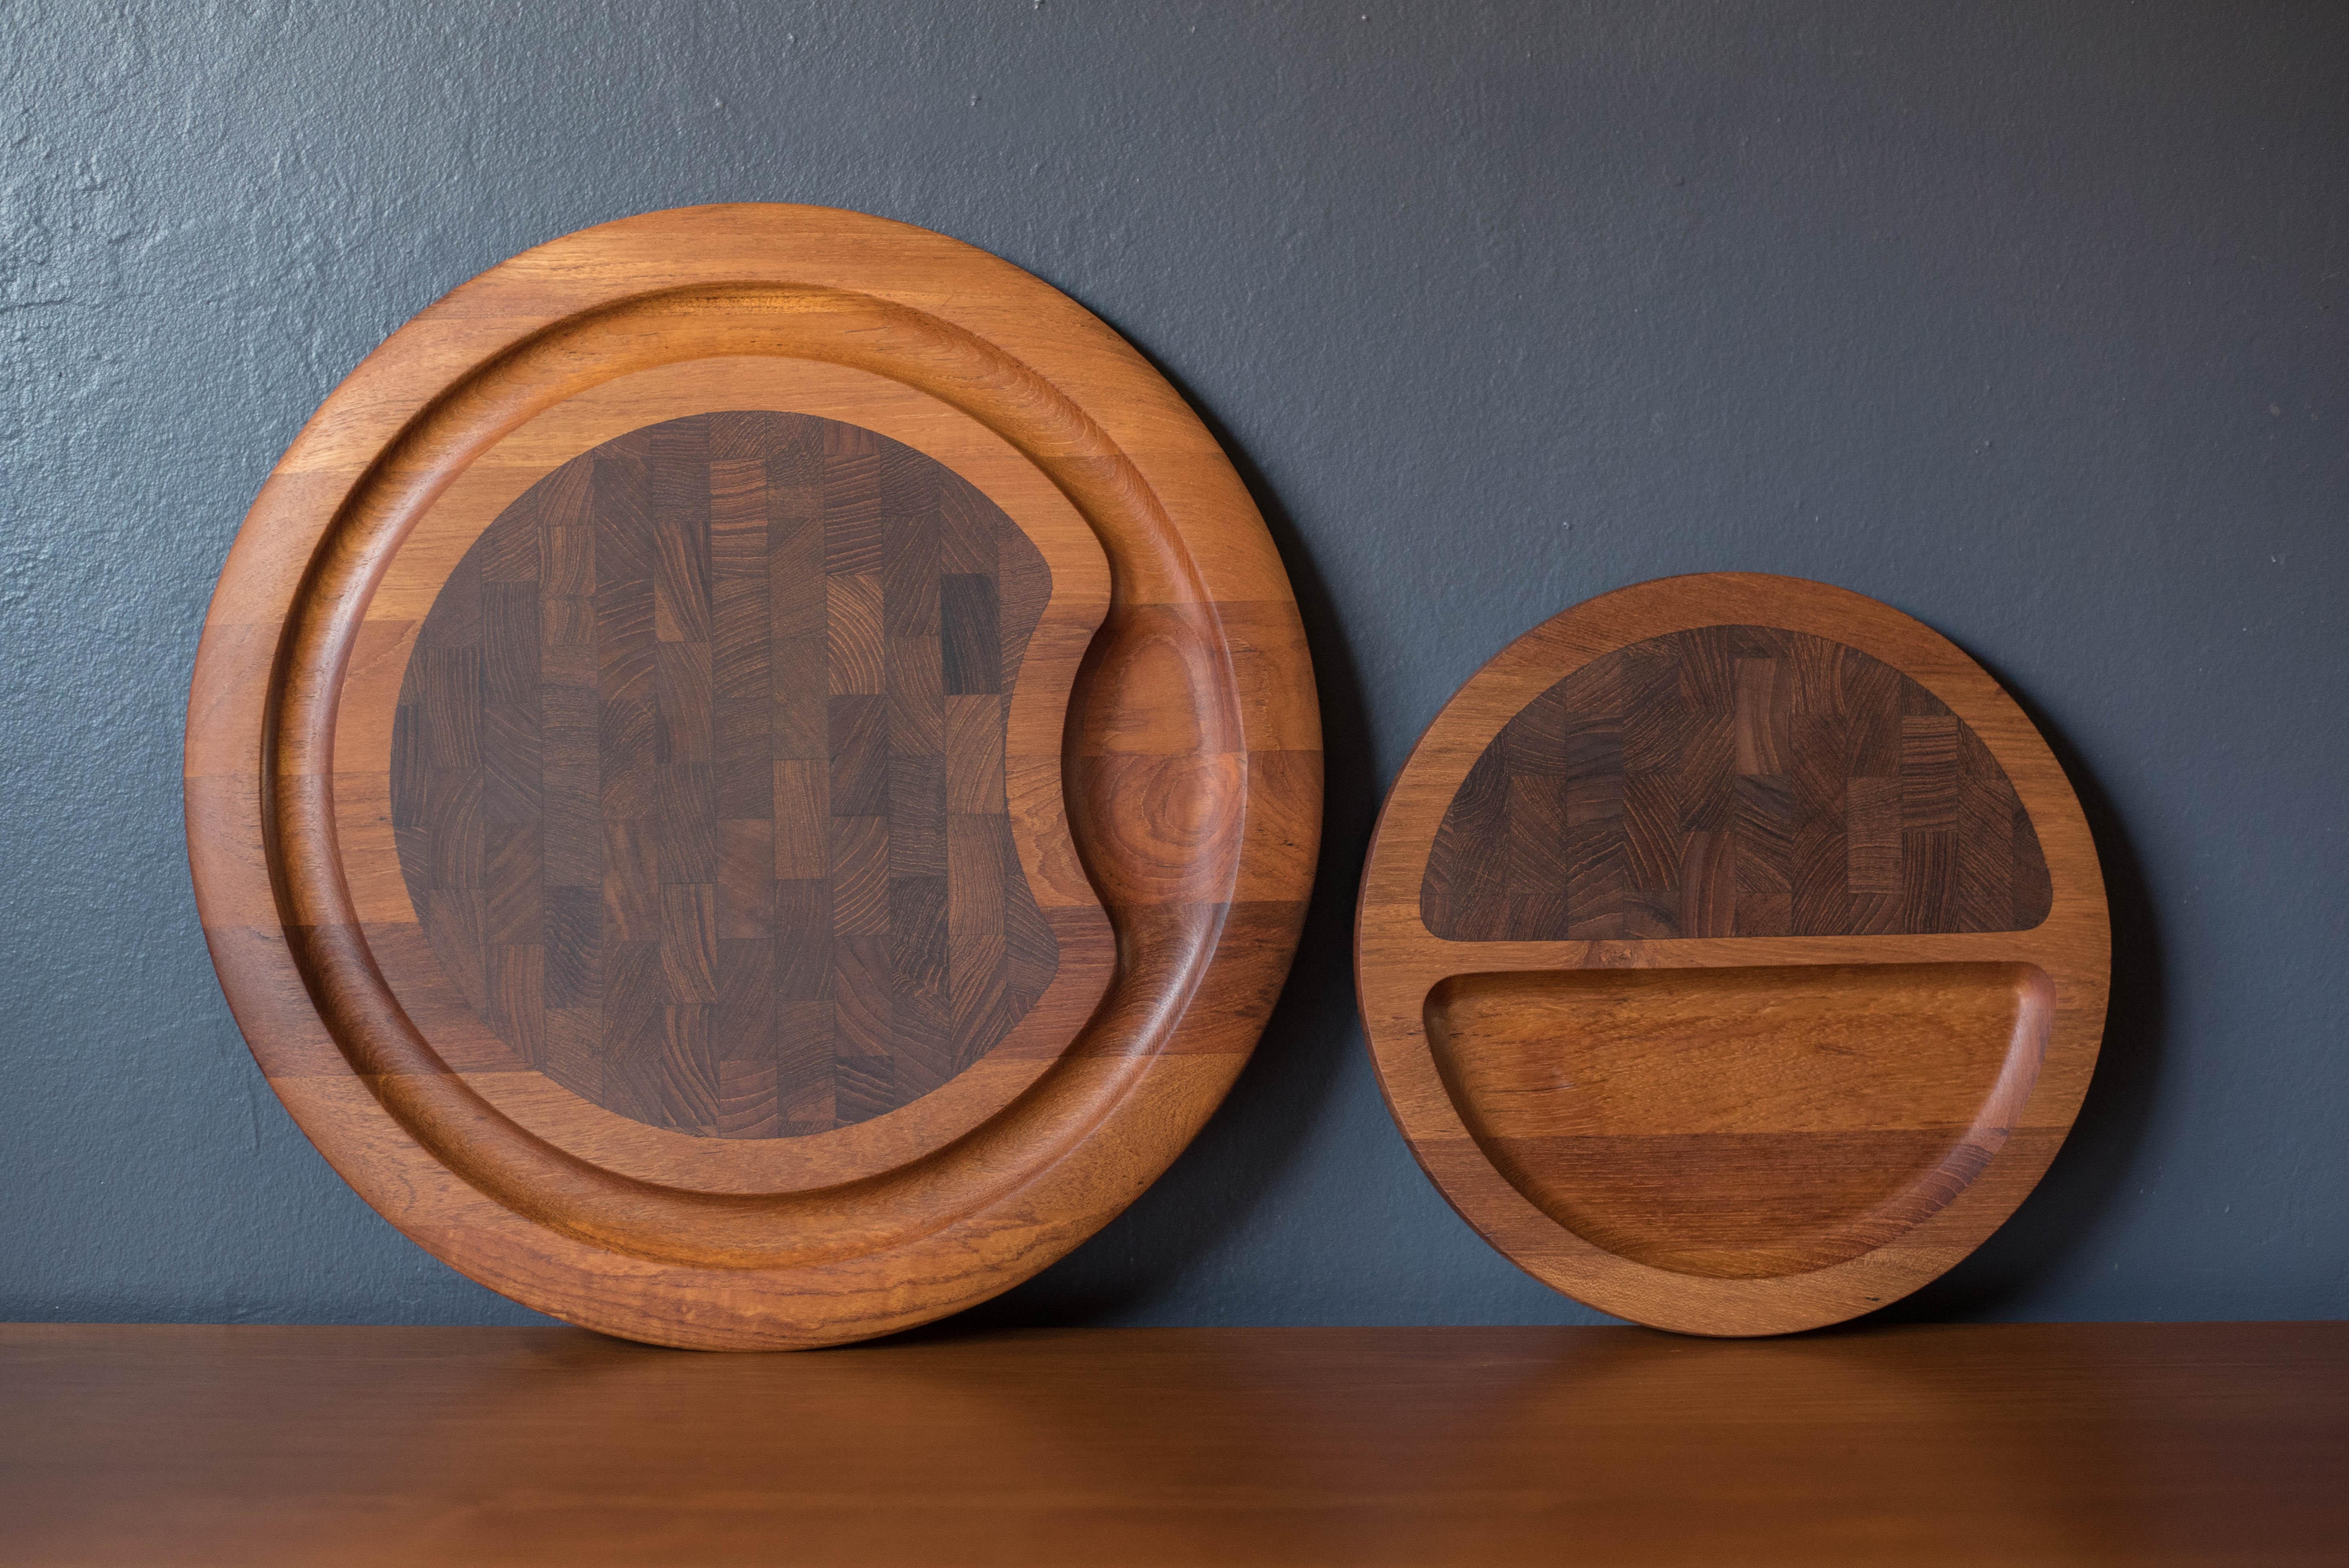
[
  {"x": 1170, "y": 1057},
  {"x": 2072, "y": 946}
]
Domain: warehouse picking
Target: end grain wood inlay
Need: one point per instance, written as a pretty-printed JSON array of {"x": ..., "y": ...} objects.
[
  {"x": 1733, "y": 781},
  {"x": 697, "y": 774},
  {"x": 1734, "y": 953},
  {"x": 752, "y": 777}
]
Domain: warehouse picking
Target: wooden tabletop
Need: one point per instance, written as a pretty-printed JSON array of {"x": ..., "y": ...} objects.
[{"x": 2200, "y": 1443}]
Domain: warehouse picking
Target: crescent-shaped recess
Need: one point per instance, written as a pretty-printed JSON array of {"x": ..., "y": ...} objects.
[
  {"x": 833, "y": 900},
  {"x": 1734, "y": 953}
]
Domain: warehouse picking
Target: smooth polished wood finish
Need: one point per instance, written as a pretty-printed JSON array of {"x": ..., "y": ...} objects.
[
  {"x": 2144, "y": 1444},
  {"x": 1159, "y": 774},
  {"x": 1742, "y": 1123},
  {"x": 1734, "y": 953}
]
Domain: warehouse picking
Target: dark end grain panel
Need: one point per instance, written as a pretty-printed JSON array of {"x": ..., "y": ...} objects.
[
  {"x": 1733, "y": 781},
  {"x": 701, "y": 748}
]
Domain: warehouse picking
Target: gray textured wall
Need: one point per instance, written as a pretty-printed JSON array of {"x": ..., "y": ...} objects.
[{"x": 2026, "y": 318}]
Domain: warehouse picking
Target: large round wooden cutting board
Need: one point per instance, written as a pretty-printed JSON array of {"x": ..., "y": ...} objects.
[
  {"x": 752, "y": 777},
  {"x": 1734, "y": 953}
]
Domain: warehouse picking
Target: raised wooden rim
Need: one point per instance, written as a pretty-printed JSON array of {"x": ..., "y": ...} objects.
[
  {"x": 1187, "y": 554},
  {"x": 1399, "y": 962}
]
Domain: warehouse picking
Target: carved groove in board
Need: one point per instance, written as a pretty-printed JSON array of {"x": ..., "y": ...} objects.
[{"x": 698, "y": 776}]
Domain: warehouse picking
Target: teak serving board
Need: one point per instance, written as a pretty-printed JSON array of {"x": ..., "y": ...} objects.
[
  {"x": 1734, "y": 953},
  {"x": 752, "y": 777}
]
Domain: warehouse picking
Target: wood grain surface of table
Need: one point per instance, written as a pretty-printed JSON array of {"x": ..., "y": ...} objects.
[{"x": 2181, "y": 1443}]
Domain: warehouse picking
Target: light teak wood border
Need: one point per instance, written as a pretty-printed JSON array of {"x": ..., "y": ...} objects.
[
  {"x": 1399, "y": 962},
  {"x": 1190, "y": 766}
]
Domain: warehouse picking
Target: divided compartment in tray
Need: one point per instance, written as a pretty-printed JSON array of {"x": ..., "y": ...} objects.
[{"x": 1742, "y": 1123}]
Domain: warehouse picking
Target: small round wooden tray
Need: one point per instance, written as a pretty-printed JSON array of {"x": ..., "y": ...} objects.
[
  {"x": 752, "y": 777},
  {"x": 1734, "y": 953}
]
